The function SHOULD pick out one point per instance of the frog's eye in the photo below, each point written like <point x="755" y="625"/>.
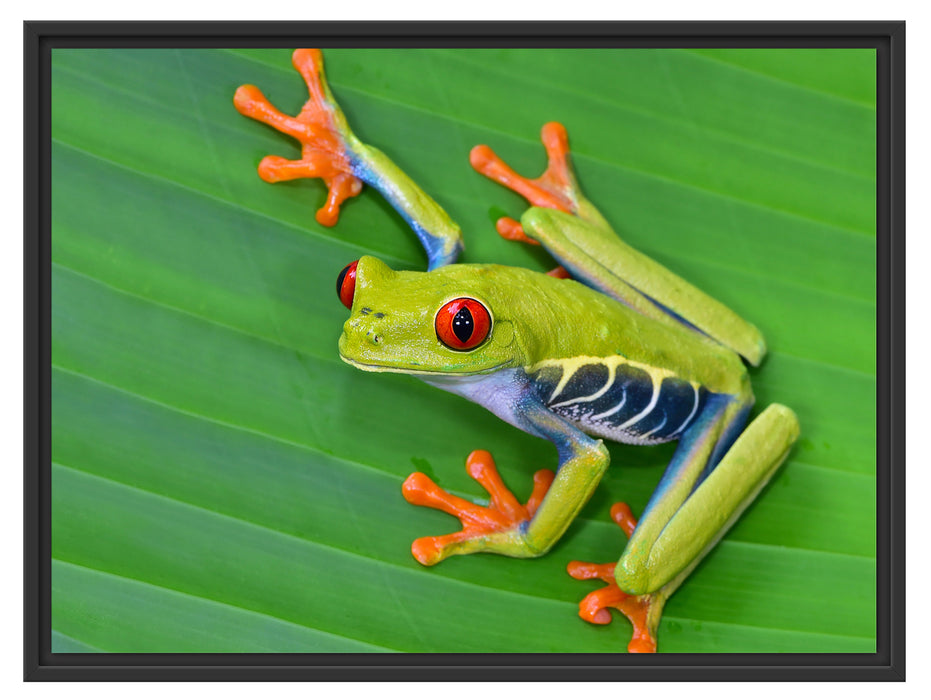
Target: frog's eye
<point x="346" y="284"/>
<point x="462" y="324"/>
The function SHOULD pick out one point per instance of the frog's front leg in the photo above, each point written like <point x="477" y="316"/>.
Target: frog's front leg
<point x="481" y="525"/>
<point x="505" y="526"/>
<point x="330" y="151"/>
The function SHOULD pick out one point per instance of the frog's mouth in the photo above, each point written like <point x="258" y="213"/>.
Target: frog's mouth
<point x="413" y="368"/>
<point x="370" y="367"/>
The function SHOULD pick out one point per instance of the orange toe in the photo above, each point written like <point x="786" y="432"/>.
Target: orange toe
<point x="503" y="513"/>
<point x="595" y="606"/>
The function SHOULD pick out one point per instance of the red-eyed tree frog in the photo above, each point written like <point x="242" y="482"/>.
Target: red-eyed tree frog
<point x="622" y="350"/>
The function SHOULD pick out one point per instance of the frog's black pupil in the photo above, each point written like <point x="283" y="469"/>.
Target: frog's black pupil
<point x="463" y="324"/>
<point x="339" y="280"/>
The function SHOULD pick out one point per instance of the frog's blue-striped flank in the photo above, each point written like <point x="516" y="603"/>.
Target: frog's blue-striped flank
<point x="625" y="351"/>
<point x="620" y="400"/>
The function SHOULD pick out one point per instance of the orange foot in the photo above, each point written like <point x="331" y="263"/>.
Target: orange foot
<point x="637" y="608"/>
<point x="554" y="189"/>
<point x="503" y="514"/>
<point x="321" y="129"/>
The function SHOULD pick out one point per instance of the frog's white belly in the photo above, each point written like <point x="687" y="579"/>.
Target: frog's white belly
<point x="614" y="398"/>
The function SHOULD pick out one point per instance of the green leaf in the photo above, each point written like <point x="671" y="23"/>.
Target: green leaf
<point x="223" y="483"/>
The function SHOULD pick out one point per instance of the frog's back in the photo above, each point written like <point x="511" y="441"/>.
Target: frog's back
<point x="623" y="376"/>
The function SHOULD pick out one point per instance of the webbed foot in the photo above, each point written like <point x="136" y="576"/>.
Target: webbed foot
<point x="556" y="188"/>
<point x="643" y="611"/>
<point x="330" y="151"/>
<point x="492" y="528"/>
<point x="321" y="129"/>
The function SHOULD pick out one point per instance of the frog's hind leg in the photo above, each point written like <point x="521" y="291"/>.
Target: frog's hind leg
<point x="713" y="429"/>
<point x="674" y="534"/>
<point x="713" y="477"/>
<point x="563" y="221"/>
<point x="643" y="611"/>
<point x="690" y="511"/>
<point x="574" y="232"/>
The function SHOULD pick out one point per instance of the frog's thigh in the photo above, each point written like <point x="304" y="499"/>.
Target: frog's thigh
<point x="597" y="257"/>
<point x="714" y="506"/>
<point x="594" y="256"/>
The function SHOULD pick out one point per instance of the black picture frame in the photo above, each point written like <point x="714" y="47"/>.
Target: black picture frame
<point x="887" y="38"/>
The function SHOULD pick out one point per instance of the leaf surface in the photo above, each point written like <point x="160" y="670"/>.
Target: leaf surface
<point x="223" y="483"/>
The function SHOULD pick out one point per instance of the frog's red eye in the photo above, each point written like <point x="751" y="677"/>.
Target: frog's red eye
<point x="346" y="284"/>
<point x="462" y="324"/>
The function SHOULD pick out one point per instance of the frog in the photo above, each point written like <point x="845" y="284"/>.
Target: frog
<point x="609" y="345"/>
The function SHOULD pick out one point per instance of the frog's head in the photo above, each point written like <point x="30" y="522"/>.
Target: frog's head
<point x="439" y="322"/>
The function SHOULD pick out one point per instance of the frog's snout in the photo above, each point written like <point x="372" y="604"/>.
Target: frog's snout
<point x="363" y="342"/>
<point x="366" y="327"/>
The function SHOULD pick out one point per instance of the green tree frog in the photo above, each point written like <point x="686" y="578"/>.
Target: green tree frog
<point x="610" y="345"/>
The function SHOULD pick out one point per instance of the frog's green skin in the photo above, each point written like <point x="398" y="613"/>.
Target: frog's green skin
<point x="630" y="352"/>
<point x="565" y="362"/>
